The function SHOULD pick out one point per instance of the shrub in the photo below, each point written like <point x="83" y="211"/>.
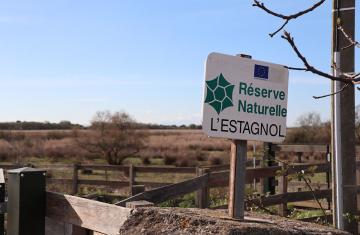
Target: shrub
<point x="28" y="143"/>
<point x="215" y="160"/>
<point x="168" y="158"/>
<point x="145" y="160"/>
<point x="56" y="135"/>
<point x="201" y="156"/>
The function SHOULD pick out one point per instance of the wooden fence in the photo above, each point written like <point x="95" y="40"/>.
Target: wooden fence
<point x="84" y="213"/>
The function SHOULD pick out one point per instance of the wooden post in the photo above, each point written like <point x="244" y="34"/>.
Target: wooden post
<point x="237" y="179"/>
<point x="299" y="161"/>
<point x="204" y="193"/>
<point x="75" y="179"/>
<point x="268" y="154"/>
<point x="282" y="186"/>
<point x="262" y="179"/>
<point x="131" y="178"/>
<point x="197" y="192"/>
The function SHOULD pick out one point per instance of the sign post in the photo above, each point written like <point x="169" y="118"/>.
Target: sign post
<point x="243" y="100"/>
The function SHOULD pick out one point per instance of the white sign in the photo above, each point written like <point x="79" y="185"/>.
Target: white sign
<point x="244" y="99"/>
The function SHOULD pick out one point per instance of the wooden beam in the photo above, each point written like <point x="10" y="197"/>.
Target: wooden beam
<point x="172" y="191"/>
<point x="310" y="204"/>
<point x="299" y="148"/>
<point x="93" y="215"/>
<point x="301" y="184"/>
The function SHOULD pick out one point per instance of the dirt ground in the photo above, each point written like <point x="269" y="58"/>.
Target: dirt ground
<point x="176" y="221"/>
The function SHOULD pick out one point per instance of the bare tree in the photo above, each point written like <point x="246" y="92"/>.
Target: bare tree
<point x="115" y="136"/>
<point x="310" y="119"/>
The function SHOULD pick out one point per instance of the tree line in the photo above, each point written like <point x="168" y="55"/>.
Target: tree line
<point x="67" y="125"/>
<point x="18" y="125"/>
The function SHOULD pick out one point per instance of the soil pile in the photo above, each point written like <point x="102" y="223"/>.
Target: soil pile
<point x="176" y="221"/>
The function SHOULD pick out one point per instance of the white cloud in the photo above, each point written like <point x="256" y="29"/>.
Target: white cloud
<point x="150" y="111"/>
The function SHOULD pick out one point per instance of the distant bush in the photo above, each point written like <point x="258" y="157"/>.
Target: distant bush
<point x="169" y="158"/>
<point x="145" y="160"/>
<point x="309" y="135"/>
<point x="215" y="160"/>
<point x="55" y="135"/>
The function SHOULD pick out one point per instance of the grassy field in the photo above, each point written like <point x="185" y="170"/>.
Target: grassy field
<point x="165" y="148"/>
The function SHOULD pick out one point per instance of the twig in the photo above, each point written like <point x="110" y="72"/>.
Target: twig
<point x="326" y="221"/>
<point x="295" y="68"/>
<point x="287" y="37"/>
<point x="352" y="42"/>
<point x="287" y="18"/>
<point x="318" y="97"/>
<point x="306" y="181"/>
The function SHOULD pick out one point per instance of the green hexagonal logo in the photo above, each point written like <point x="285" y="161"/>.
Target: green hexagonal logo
<point x="219" y="93"/>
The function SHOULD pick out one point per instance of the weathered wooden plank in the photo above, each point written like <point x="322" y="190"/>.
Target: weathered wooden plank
<point x="59" y="181"/>
<point x="311" y="204"/>
<point x="322" y="167"/>
<point x="151" y="184"/>
<point x="169" y="192"/>
<point x="10" y="167"/>
<point x="104" y="182"/>
<point x="54" y="167"/>
<point x="102" y="167"/>
<point x="225" y="167"/>
<point x="54" y="227"/>
<point x="299" y="148"/>
<point x="179" y="170"/>
<point x="219" y="178"/>
<point x="108" y="183"/>
<point x="93" y="215"/>
<point x="302" y="184"/>
<point x="305" y="196"/>
<point x="292" y="197"/>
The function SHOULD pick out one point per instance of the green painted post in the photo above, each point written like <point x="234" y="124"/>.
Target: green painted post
<point x="268" y="154"/>
<point x="26" y="203"/>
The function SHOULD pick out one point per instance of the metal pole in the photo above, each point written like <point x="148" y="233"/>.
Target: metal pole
<point x="337" y="144"/>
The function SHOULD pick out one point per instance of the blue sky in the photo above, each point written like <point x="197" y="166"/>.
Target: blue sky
<point x="65" y="60"/>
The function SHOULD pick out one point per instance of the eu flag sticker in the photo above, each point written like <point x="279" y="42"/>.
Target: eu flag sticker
<point x="261" y="72"/>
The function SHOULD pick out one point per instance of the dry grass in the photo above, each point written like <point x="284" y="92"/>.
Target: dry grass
<point x="174" y="147"/>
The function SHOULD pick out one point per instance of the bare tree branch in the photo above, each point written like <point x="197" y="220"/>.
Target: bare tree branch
<point x="343" y="88"/>
<point x="287" y="18"/>
<point x="352" y="42"/>
<point x="287" y="37"/>
<point x="305" y="69"/>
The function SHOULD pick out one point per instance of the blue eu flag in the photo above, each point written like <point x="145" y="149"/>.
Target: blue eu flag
<point x="261" y="71"/>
